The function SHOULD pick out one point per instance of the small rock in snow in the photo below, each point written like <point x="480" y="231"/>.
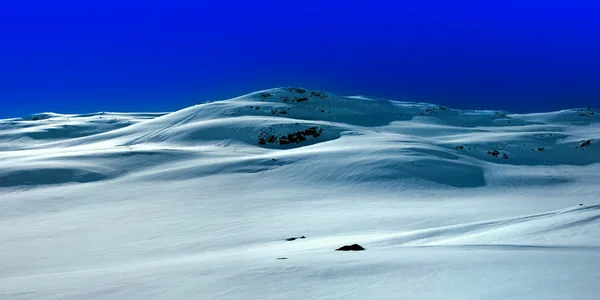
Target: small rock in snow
<point x="353" y="247"/>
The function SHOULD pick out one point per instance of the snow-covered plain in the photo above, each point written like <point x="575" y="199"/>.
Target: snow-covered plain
<point x="198" y="203"/>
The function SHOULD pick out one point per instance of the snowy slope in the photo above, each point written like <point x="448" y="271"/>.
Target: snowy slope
<point x="198" y="203"/>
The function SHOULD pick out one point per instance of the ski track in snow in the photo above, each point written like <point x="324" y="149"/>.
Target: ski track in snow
<point x="192" y="205"/>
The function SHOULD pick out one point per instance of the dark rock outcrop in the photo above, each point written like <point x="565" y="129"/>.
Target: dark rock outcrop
<point x="319" y="95"/>
<point x="291" y="138"/>
<point x="353" y="247"/>
<point x="294" y="238"/>
<point x="494" y="153"/>
<point x="297" y="90"/>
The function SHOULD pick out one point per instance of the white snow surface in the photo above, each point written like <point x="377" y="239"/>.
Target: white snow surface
<point x="195" y="205"/>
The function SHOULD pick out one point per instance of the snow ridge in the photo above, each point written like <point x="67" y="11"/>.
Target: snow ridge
<point x="200" y="203"/>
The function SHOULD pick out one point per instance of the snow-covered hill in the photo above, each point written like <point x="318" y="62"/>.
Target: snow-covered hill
<point x="198" y="203"/>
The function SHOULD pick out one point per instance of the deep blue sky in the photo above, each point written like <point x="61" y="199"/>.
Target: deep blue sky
<point x="160" y="56"/>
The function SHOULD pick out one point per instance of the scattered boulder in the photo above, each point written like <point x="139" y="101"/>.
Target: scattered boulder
<point x="540" y="149"/>
<point x="505" y="156"/>
<point x="294" y="99"/>
<point x="319" y="95"/>
<point x="494" y="153"/>
<point x="291" y="138"/>
<point x="586" y="113"/>
<point x="297" y="90"/>
<point x="294" y="238"/>
<point x="278" y="112"/>
<point x="353" y="247"/>
<point x="266" y="95"/>
<point x="584" y="144"/>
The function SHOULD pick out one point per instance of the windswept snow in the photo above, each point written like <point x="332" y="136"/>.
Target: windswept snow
<point x="198" y="203"/>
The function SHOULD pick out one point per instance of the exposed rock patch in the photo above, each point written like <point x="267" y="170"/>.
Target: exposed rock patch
<point x="287" y="99"/>
<point x="494" y="153"/>
<point x="291" y="138"/>
<point x="584" y="144"/>
<point x="586" y="113"/>
<point x="353" y="247"/>
<point x="279" y="112"/>
<point x="297" y="90"/>
<point x="319" y="95"/>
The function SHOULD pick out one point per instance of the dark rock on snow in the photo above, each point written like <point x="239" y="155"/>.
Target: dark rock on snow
<point x="354" y="247"/>
<point x="494" y="153"/>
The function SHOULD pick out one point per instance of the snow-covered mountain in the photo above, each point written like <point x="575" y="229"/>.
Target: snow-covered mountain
<point x="199" y="203"/>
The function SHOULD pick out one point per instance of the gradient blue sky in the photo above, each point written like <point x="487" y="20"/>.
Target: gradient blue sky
<point x="90" y="56"/>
